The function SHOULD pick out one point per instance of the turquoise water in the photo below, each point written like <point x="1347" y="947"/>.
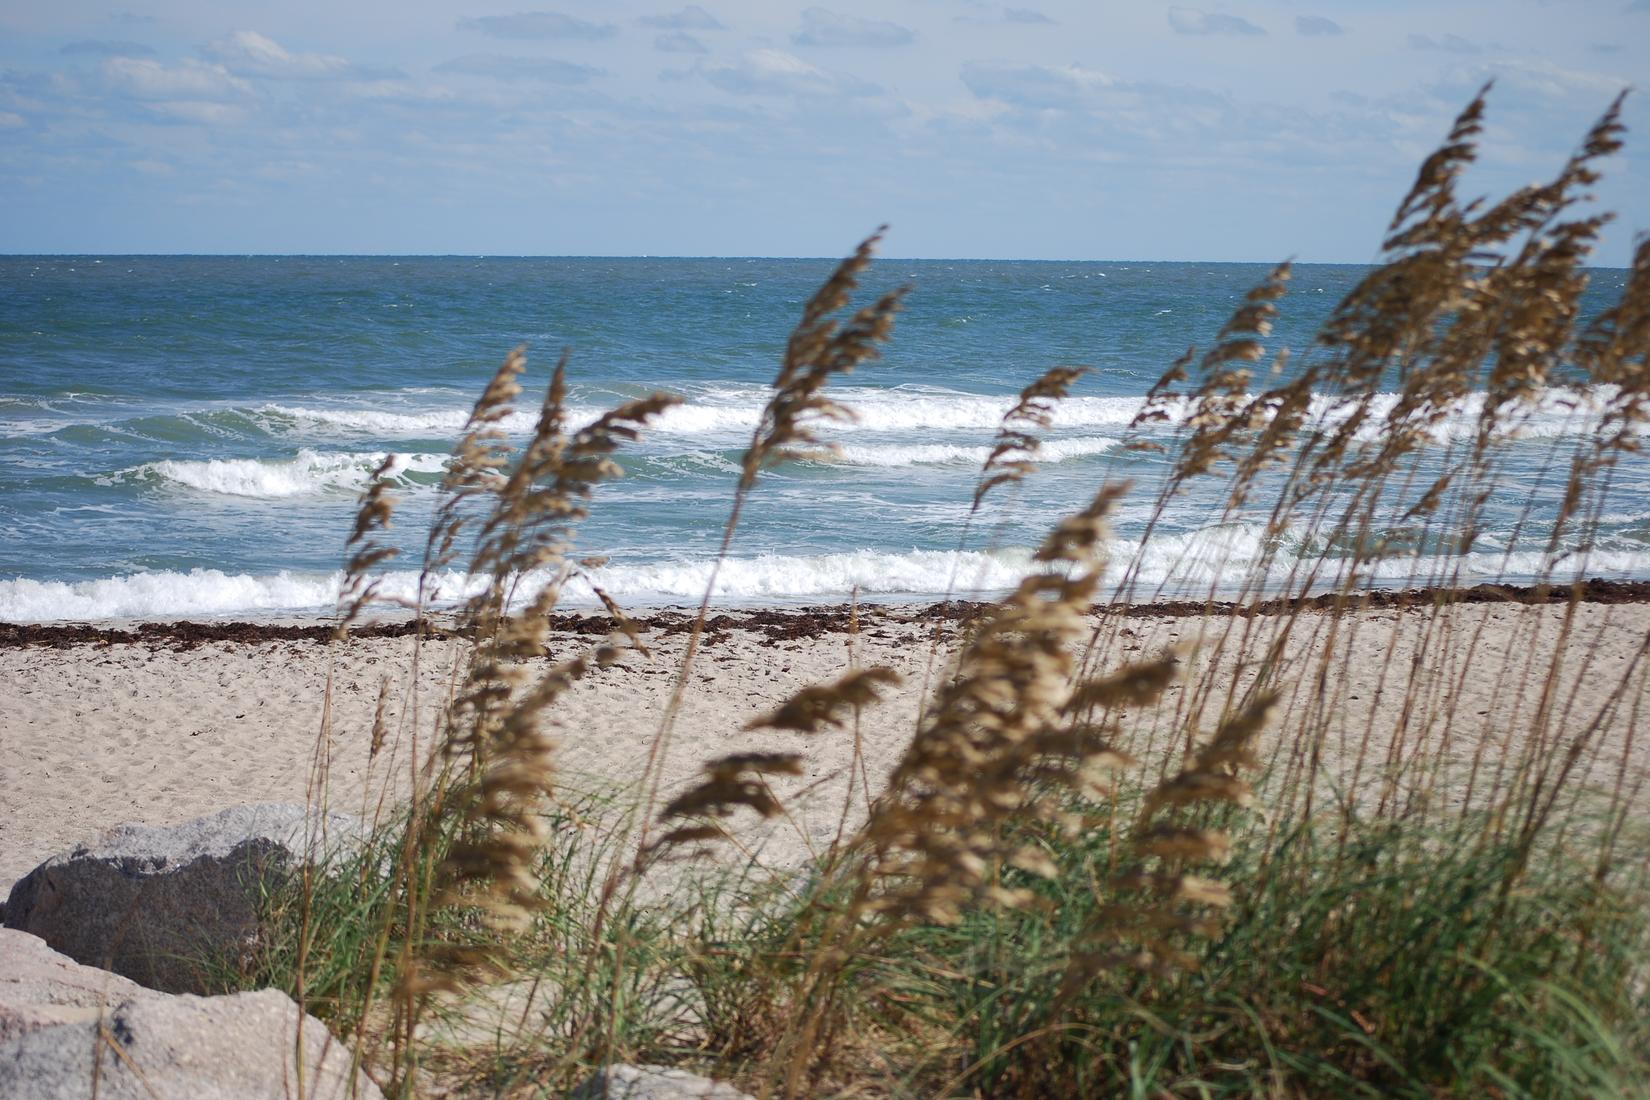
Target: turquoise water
<point x="187" y="436"/>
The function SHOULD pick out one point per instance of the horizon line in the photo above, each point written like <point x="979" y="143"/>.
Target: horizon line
<point x="100" y="256"/>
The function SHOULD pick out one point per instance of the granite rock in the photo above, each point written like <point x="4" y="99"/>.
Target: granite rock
<point x="64" y="1026"/>
<point x="165" y="905"/>
<point x="41" y="988"/>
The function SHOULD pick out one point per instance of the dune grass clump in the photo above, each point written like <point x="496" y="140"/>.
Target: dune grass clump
<point x="1100" y="866"/>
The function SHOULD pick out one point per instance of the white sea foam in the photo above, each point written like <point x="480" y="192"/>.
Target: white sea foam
<point x="305" y="473"/>
<point x="815" y="576"/>
<point x="10" y="428"/>
<point x="1188" y="564"/>
<point x="729" y="414"/>
<point x="163" y="594"/>
<point x="428" y="423"/>
<point x="946" y="454"/>
<point x="168" y="594"/>
<point x="1226" y="555"/>
<point x="1553" y="413"/>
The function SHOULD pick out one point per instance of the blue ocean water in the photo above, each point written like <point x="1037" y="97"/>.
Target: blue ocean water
<point x="187" y="435"/>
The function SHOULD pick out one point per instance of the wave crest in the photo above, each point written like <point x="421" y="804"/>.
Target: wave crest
<point x="305" y="473"/>
<point x="1188" y="564"/>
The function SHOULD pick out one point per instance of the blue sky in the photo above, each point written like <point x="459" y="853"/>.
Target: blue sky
<point x="1039" y="129"/>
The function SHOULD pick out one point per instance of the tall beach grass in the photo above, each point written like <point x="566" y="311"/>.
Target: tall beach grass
<point x="1095" y="869"/>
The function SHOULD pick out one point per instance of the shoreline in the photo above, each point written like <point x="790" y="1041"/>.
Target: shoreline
<point x="161" y="723"/>
<point x="787" y="622"/>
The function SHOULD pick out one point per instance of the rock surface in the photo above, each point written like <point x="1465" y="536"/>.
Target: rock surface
<point x="41" y="988"/>
<point x="622" y="1082"/>
<point x="64" y="1026"/>
<point x="164" y="905"/>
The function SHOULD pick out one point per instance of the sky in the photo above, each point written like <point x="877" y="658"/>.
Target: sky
<point x="1062" y="129"/>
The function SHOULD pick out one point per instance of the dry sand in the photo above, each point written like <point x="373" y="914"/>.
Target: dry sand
<point x="158" y="731"/>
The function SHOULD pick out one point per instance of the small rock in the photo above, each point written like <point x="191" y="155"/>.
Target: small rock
<point x="164" y="905"/>
<point x="68" y="1030"/>
<point x="622" y="1082"/>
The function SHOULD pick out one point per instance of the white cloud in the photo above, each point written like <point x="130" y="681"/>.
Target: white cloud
<point x="506" y="67"/>
<point x="1107" y="115"/>
<point x="1035" y="85"/>
<point x="254" y="54"/>
<point x="1020" y="16"/>
<point x="1193" y="21"/>
<point x="690" y="18"/>
<point x="1448" y="43"/>
<point x="538" y="25"/>
<point x="189" y="79"/>
<point x="1532" y="85"/>
<point x="829" y="28"/>
<point x="949" y="141"/>
<point x="398" y="90"/>
<point x="777" y="73"/>
<point x="199" y="111"/>
<point x="1317" y="25"/>
<point x="678" y="42"/>
<point x="100" y="48"/>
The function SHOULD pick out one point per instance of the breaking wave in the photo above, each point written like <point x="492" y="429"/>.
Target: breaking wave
<point x="305" y="473"/>
<point x="1553" y="413"/>
<point x="1179" y="565"/>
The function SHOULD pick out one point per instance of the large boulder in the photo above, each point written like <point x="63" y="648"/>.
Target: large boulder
<point x="71" y="1031"/>
<point x="41" y="988"/>
<point x="168" y="905"/>
<point x="625" y="1082"/>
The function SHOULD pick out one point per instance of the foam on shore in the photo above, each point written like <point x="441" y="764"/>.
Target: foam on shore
<point x="306" y="472"/>
<point x="1179" y="566"/>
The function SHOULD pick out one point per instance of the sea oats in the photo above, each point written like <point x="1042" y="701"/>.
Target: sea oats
<point x="1015" y="448"/>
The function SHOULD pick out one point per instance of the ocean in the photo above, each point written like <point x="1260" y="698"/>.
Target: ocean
<point x="187" y="436"/>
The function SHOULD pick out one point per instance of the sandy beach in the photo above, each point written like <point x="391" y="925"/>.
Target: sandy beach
<point x="167" y="727"/>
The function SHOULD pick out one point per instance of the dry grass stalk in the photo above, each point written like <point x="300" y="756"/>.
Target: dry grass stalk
<point x="1615" y="352"/>
<point x="1160" y="403"/>
<point x="380" y="720"/>
<point x="622" y="622"/>
<point x="1473" y="298"/>
<point x="496" y="802"/>
<point x="366" y="553"/>
<point x="994" y="742"/>
<point x="530" y="530"/>
<point x="740" y="779"/>
<point x="1009" y="461"/>
<point x="1220" y="414"/>
<point x="1015" y="447"/>
<point x="476" y="469"/>
<point x="820" y="348"/>
<point x="733" y="781"/>
<point x="998" y="758"/>
<point x="1161" y="900"/>
<point x="820" y="705"/>
<point x="1133" y="685"/>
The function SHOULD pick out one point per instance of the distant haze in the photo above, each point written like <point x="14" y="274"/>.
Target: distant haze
<point x="1250" y="130"/>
